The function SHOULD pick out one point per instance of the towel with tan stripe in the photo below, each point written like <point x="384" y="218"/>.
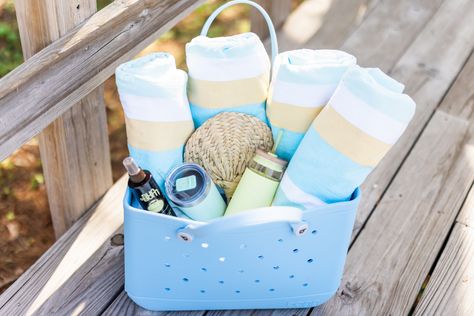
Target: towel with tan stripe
<point x="363" y="119"/>
<point x="157" y="115"/>
<point x="302" y="83"/>
<point x="227" y="74"/>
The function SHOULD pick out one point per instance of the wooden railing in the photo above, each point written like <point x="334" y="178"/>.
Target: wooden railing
<point x="56" y="93"/>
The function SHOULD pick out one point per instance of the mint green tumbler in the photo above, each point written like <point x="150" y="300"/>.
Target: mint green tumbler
<point x="258" y="184"/>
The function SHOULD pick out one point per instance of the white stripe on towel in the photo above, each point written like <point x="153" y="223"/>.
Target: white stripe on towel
<point x="304" y="95"/>
<point x="298" y="196"/>
<point x="155" y="108"/>
<point x="365" y="117"/>
<point x="216" y="69"/>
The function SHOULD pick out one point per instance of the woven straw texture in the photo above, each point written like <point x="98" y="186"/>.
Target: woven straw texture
<point x="225" y="144"/>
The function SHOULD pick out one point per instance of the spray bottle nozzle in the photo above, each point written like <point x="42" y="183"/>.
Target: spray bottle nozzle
<point x="131" y="166"/>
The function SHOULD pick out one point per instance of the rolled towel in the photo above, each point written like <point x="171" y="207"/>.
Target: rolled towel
<point x="302" y="83"/>
<point x="363" y="119"/>
<point x="157" y="115"/>
<point x="227" y="74"/>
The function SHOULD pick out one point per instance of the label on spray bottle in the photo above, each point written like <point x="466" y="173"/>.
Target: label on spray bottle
<point x="154" y="200"/>
<point x="151" y="198"/>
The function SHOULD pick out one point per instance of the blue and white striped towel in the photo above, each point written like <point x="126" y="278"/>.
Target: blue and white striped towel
<point x="227" y="74"/>
<point x="302" y="83"/>
<point x="363" y="119"/>
<point x="157" y="115"/>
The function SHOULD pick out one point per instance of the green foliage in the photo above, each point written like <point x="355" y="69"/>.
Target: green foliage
<point x="102" y="3"/>
<point x="10" y="216"/>
<point x="36" y="181"/>
<point x="10" y="48"/>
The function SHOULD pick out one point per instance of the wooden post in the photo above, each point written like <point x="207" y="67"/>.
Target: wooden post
<point x="74" y="148"/>
<point x="278" y="11"/>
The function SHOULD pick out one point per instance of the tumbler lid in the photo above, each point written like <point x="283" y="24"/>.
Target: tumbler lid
<point x="187" y="185"/>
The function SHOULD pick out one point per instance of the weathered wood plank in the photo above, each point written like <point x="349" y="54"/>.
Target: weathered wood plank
<point x="326" y="23"/>
<point x="75" y="147"/>
<point x="49" y="83"/>
<point x="381" y="39"/>
<point x="450" y="290"/>
<point x="322" y="23"/>
<point x="393" y="254"/>
<point x="340" y="21"/>
<point x="124" y="306"/>
<point x="81" y="273"/>
<point x="75" y="157"/>
<point x="277" y="10"/>
<point x="427" y="77"/>
<point x="262" y="312"/>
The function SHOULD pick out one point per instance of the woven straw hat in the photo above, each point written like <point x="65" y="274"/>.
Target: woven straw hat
<point x="225" y="144"/>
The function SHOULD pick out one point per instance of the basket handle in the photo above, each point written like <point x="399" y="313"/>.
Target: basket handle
<point x="276" y="214"/>
<point x="271" y="28"/>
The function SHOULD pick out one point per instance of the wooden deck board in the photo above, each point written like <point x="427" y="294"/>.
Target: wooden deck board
<point x="322" y="23"/>
<point x="82" y="271"/>
<point x="393" y="253"/>
<point x="124" y="306"/>
<point x="450" y="290"/>
<point x="389" y="29"/>
<point x="427" y="68"/>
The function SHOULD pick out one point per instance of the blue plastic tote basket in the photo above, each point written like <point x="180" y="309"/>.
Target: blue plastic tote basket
<point x="276" y="257"/>
<point x="256" y="259"/>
